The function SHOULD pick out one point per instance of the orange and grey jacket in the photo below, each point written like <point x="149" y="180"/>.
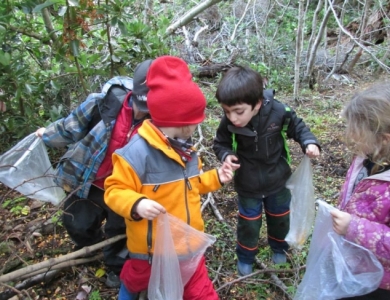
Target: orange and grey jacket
<point x="148" y="167"/>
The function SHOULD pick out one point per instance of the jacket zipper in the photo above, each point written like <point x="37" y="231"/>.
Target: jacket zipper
<point x="256" y="140"/>
<point x="187" y="184"/>
<point x="149" y="241"/>
<point x="129" y="133"/>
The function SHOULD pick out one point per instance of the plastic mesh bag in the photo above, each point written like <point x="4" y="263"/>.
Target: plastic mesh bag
<point x="177" y="251"/>
<point x="302" y="207"/>
<point x="26" y="168"/>
<point x="335" y="267"/>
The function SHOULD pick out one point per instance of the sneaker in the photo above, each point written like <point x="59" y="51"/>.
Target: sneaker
<point x="113" y="280"/>
<point x="244" y="269"/>
<point x="279" y="258"/>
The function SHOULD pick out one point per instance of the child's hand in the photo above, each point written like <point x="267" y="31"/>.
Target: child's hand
<point x="149" y="209"/>
<point x="312" y="151"/>
<point x="341" y="221"/>
<point x="233" y="161"/>
<point x="40" y="131"/>
<point x="225" y="173"/>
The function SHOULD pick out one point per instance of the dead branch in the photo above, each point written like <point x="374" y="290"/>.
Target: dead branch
<point x="27" y="283"/>
<point x="184" y="20"/>
<point x="356" y="41"/>
<point x="210" y="200"/>
<point x="67" y="264"/>
<point x="55" y="261"/>
<point x="263" y="271"/>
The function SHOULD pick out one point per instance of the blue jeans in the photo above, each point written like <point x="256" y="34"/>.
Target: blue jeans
<point x="124" y="294"/>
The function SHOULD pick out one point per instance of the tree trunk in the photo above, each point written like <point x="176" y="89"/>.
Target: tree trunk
<point x="298" y="47"/>
<point x="363" y="25"/>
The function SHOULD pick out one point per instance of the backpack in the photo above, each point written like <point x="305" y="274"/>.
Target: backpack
<point x="115" y="91"/>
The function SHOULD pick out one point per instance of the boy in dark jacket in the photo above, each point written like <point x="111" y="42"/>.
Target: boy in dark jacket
<point x="83" y="168"/>
<point x="252" y="137"/>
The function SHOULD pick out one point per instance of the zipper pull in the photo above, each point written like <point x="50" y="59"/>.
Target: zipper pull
<point x="129" y="133"/>
<point x="186" y="180"/>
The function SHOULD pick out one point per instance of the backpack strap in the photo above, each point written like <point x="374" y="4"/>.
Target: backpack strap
<point x="109" y="106"/>
<point x="286" y="123"/>
<point x="112" y="102"/>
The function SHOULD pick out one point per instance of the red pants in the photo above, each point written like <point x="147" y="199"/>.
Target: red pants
<point x="136" y="273"/>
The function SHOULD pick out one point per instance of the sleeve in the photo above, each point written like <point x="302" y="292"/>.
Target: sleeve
<point x="222" y="145"/>
<point x="72" y="128"/>
<point x="121" y="188"/>
<point x="373" y="235"/>
<point x="298" y="131"/>
<point x="209" y="182"/>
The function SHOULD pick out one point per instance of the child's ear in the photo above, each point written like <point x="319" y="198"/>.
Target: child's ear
<point x="258" y="105"/>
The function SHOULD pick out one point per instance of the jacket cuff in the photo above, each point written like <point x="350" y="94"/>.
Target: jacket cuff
<point x="133" y="214"/>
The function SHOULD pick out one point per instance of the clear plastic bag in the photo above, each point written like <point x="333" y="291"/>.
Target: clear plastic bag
<point x="26" y="168"/>
<point x="177" y="251"/>
<point x="302" y="207"/>
<point x="335" y="267"/>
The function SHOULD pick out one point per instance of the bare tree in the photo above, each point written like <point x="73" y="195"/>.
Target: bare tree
<point x="298" y="47"/>
<point x="362" y="31"/>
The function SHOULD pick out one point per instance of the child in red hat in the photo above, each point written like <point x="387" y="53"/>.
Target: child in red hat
<point x="159" y="171"/>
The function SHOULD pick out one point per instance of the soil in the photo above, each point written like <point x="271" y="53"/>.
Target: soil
<point x="31" y="231"/>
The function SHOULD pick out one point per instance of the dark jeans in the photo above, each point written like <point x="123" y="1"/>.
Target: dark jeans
<point x="83" y="219"/>
<point x="378" y="294"/>
<point x="277" y="211"/>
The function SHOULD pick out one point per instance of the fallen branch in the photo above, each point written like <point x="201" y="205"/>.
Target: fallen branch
<point x="188" y="16"/>
<point x="210" y="200"/>
<point x="70" y="263"/>
<point x="263" y="271"/>
<point x="55" y="261"/>
<point x="12" y="291"/>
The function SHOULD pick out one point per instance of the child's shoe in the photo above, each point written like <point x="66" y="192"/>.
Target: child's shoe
<point x="279" y="258"/>
<point x="244" y="269"/>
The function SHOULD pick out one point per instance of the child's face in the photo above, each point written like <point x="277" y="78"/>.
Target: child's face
<point x="241" y="114"/>
<point x="184" y="133"/>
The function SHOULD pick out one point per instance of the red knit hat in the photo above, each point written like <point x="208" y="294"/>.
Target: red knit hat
<point x="174" y="100"/>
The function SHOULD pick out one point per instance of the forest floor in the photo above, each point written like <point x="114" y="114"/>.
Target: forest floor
<point x="31" y="231"/>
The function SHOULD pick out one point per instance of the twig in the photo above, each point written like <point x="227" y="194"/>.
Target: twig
<point x="218" y="271"/>
<point x="210" y="200"/>
<point x="355" y="40"/>
<point x="239" y="21"/>
<point x="275" y="278"/>
<point x="263" y="271"/>
<point x="55" y="261"/>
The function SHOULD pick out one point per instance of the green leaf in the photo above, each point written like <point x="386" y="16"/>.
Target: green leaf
<point x="54" y="85"/>
<point x="28" y="88"/>
<point x="5" y="58"/>
<point x="48" y="3"/>
<point x="115" y="59"/>
<point x="122" y="27"/>
<point x="73" y="2"/>
<point x="74" y="45"/>
<point x="25" y="210"/>
<point x="62" y="11"/>
<point x="100" y="273"/>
